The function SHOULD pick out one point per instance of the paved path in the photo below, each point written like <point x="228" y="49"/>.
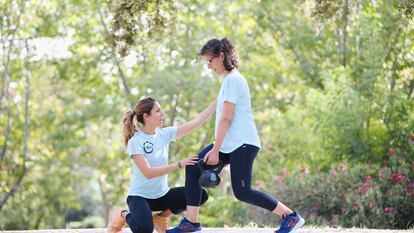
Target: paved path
<point x="230" y="230"/>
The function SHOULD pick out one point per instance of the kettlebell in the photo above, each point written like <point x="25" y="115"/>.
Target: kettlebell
<point x="210" y="174"/>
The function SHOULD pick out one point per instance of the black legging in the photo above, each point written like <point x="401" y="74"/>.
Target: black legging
<point x="139" y="218"/>
<point x="241" y="164"/>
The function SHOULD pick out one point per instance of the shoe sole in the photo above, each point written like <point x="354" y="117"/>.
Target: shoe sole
<point x="298" y="225"/>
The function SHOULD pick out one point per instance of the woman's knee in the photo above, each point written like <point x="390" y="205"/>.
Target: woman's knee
<point x="192" y="170"/>
<point x="241" y="194"/>
<point x="204" y="196"/>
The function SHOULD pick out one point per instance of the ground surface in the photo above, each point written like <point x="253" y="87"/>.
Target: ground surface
<point x="231" y="230"/>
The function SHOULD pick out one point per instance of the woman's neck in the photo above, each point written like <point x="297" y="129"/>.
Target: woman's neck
<point x="148" y="129"/>
<point x="226" y="72"/>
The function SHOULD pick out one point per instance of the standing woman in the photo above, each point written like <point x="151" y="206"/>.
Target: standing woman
<point x="237" y="143"/>
<point x="148" y="150"/>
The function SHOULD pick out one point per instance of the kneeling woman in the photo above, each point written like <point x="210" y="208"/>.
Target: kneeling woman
<point x="148" y="150"/>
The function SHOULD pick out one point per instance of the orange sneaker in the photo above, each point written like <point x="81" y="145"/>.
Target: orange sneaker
<point x="117" y="222"/>
<point x="160" y="223"/>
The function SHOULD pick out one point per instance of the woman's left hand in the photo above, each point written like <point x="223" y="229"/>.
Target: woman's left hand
<point x="212" y="157"/>
<point x="192" y="160"/>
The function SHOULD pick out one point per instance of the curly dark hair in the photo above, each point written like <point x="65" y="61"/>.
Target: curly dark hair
<point x="214" y="47"/>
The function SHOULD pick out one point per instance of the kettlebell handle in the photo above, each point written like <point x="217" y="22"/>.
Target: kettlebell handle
<point x="203" y="166"/>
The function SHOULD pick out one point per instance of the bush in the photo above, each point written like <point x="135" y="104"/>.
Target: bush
<point x="364" y="195"/>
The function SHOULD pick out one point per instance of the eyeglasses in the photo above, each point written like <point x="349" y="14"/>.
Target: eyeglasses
<point x="210" y="60"/>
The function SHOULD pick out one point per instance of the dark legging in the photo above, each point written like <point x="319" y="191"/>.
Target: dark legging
<point x="241" y="164"/>
<point x="139" y="218"/>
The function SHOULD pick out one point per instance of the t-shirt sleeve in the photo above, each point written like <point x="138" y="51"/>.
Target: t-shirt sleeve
<point x="134" y="147"/>
<point x="169" y="134"/>
<point x="232" y="90"/>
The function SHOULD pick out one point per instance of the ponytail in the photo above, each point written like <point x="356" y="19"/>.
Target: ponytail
<point x="129" y="125"/>
<point x="230" y="56"/>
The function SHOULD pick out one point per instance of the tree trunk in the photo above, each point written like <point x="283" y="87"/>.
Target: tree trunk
<point x="105" y="201"/>
<point x="113" y="54"/>
<point x="17" y="184"/>
<point x="394" y="74"/>
<point x="7" y="133"/>
<point x="411" y="88"/>
<point x="392" y="43"/>
<point x="6" y="58"/>
<point x="13" y="190"/>
<point x="344" y="32"/>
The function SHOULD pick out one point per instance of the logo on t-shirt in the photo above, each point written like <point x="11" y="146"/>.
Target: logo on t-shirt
<point x="148" y="147"/>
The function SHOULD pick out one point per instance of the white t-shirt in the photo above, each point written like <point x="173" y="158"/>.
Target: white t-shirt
<point x="242" y="129"/>
<point x="155" y="149"/>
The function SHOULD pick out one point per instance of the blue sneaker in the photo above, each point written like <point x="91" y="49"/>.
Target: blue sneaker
<point x="185" y="226"/>
<point x="290" y="223"/>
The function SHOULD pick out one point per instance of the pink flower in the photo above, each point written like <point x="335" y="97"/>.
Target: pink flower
<point x="410" y="185"/>
<point x="388" y="210"/>
<point x="343" y="210"/>
<point x="330" y="222"/>
<point x="361" y="191"/>
<point x="412" y="138"/>
<point x="305" y="170"/>
<point x="365" y="185"/>
<point x="285" y="171"/>
<point x="341" y="167"/>
<point x="334" y="173"/>
<point x="327" y="180"/>
<point x="368" y="178"/>
<point x="280" y="181"/>
<point x="397" y="176"/>
<point x="258" y="183"/>
<point x="410" y="194"/>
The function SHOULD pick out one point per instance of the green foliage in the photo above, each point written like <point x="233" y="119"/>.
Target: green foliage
<point x="136" y="21"/>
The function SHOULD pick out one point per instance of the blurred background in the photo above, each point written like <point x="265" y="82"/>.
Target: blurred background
<point x="332" y="92"/>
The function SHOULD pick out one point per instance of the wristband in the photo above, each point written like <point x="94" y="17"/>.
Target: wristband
<point x="179" y="164"/>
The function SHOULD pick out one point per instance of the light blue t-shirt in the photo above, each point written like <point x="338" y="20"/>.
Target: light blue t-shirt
<point x="155" y="149"/>
<point x="242" y="129"/>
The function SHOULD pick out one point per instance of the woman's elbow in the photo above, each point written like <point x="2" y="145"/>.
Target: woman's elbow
<point x="148" y="175"/>
<point x="226" y="119"/>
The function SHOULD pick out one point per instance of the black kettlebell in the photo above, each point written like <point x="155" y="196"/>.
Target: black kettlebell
<point x="210" y="174"/>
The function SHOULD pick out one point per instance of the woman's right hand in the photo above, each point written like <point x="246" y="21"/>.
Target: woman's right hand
<point x="192" y="160"/>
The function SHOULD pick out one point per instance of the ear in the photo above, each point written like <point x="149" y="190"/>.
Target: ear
<point x="145" y="115"/>
<point x="221" y="55"/>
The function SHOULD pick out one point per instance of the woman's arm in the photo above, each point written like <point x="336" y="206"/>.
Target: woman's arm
<point x="152" y="172"/>
<point x="189" y="126"/>
<point x="223" y="126"/>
